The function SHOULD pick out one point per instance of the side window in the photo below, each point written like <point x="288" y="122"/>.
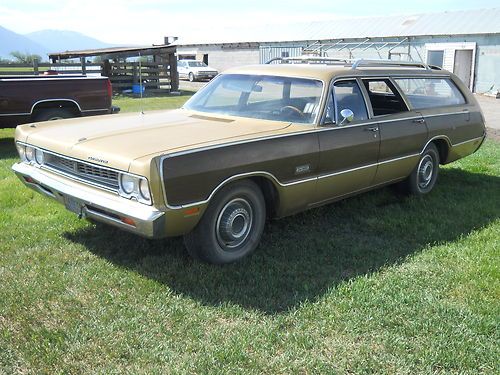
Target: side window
<point x="430" y="92"/>
<point x="384" y="97"/>
<point x="348" y="96"/>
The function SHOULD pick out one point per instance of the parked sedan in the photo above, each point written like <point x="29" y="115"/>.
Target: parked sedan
<point x="195" y="70"/>
<point x="257" y="142"/>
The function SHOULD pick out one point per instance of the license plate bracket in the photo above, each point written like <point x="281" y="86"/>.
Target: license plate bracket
<point x="73" y="205"/>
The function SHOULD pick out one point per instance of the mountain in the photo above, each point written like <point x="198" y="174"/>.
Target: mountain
<point x="64" y="40"/>
<point x="11" y="41"/>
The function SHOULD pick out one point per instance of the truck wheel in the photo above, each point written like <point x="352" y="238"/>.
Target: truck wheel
<point x="191" y="77"/>
<point x="424" y="176"/>
<point x="51" y="114"/>
<point x="231" y="226"/>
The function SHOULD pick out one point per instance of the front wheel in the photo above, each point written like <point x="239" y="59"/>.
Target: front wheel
<point x="191" y="77"/>
<point x="232" y="225"/>
<point x="424" y="176"/>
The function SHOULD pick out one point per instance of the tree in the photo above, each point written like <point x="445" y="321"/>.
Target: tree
<point x="25" y="58"/>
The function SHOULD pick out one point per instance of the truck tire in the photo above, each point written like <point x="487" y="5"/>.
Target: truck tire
<point x="231" y="226"/>
<point x="50" y="114"/>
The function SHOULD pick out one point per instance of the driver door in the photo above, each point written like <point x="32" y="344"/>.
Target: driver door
<point x="348" y="149"/>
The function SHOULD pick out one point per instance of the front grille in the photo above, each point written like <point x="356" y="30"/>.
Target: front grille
<point x="92" y="173"/>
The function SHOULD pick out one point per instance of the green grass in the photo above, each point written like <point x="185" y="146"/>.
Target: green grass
<point x="374" y="284"/>
<point x="136" y="104"/>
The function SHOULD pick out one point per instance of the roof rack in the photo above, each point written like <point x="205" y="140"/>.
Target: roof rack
<point x="415" y="64"/>
<point x="354" y="63"/>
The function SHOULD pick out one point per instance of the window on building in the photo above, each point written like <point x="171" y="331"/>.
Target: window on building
<point x="285" y="54"/>
<point x="435" y="58"/>
<point x="384" y="97"/>
<point x="430" y="92"/>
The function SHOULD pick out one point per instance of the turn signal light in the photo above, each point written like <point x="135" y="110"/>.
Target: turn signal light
<point x="128" y="221"/>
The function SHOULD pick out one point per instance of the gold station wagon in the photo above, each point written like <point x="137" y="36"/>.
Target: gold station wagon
<point x="256" y="142"/>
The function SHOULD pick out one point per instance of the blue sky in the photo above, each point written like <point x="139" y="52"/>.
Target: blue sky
<point x="147" y="21"/>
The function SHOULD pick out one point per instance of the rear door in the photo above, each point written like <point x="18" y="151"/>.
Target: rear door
<point x="348" y="150"/>
<point x="403" y="132"/>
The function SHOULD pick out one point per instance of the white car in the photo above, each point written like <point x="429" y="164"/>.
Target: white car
<point x="194" y="70"/>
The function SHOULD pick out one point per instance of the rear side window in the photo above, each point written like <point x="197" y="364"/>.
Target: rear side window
<point x="430" y="92"/>
<point x="384" y="97"/>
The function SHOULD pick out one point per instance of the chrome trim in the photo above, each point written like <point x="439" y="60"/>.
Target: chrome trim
<point x="76" y="178"/>
<point x="468" y="141"/>
<point x="149" y="221"/>
<point x="55" y="100"/>
<point x="444" y="137"/>
<point x="15" y="114"/>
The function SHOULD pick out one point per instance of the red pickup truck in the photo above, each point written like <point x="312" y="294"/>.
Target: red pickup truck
<point x="50" y="97"/>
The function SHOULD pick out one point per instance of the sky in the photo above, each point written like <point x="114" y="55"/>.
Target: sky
<point x="146" y="22"/>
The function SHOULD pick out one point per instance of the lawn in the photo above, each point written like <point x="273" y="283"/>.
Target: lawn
<point x="378" y="283"/>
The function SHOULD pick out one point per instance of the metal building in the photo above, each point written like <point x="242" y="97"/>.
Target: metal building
<point x="464" y="42"/>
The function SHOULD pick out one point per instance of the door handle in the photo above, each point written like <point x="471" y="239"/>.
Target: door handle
<point x="419" y="121"/>
<point x="372" y="129"/>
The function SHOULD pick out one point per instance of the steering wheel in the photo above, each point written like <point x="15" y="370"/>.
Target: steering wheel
<point x="292" y="110"/>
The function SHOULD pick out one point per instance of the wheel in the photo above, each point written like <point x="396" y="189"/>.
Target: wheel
<point x="231" y="226"/>
<point x="424" y="176"/>
<point x="51" y="114"/>
<point x="191" y="77"/>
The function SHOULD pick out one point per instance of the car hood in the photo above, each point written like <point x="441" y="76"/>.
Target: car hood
<point x="117" y="140"/>
<point x="202" y="69"/>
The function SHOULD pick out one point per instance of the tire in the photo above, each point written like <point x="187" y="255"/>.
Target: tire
<point x="232" y="225"/>
<point x="423" y="178"/>
<point x="51" y="114"/>
<point x="191" y="77"/>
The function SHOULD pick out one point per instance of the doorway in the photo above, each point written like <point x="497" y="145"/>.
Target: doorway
<point x="462" y="65"/>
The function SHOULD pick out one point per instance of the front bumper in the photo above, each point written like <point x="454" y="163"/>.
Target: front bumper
<point x="93" y="203"/>
<point x="199" y="75"/>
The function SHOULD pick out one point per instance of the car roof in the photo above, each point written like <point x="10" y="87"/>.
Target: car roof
<point x="325" y="72"/>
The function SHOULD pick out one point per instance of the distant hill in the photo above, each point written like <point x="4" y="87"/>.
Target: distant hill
<point x="45" y="41"/>
<point x="64" y="40"/>
<point x="11" y="41"/>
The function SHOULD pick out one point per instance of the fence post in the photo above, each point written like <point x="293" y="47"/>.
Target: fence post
<point x="84" y="65"/>
<point x="35" y="67"/>
<point x="174" y="77"/>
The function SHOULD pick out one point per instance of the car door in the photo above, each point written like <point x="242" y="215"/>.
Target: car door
<point x="403" y="132"/>
<point x="348" y="149"/>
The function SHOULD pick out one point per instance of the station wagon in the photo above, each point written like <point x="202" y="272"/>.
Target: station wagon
<point x="257" y="142"/>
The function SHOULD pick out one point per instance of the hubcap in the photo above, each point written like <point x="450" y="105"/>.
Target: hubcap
<point x="234" y="223"/>
<point x="425" y="171"/>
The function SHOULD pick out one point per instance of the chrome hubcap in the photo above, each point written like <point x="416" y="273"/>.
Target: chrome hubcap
<point x="234" y="223"/>
<point x="425" y="171"/>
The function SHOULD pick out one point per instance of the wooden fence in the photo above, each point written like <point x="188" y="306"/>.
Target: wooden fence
<point x="155" y="77"/>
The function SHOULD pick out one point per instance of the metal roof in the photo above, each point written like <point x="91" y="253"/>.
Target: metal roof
<point x="115" y="51"/>
<point x="466" y="22"/>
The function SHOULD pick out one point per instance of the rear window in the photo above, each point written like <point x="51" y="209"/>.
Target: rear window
<point x="430" y="92"/>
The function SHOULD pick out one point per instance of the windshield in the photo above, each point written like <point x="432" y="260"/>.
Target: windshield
<point x="196" y="64"/>
<point x="264" y="97"/>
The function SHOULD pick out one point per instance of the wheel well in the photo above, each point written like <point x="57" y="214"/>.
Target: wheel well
<point x="55" y="104"/>
<point x="270" y="193"/>
<point x="443" y="149"/>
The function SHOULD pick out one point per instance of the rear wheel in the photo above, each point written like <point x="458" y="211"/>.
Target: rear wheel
<point x="191" y="77"/>
<point x="232" y="225"/>
<point x="51" y="114"/>
<point x="424" y="176"/>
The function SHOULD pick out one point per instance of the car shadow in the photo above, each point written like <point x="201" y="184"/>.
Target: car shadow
<point x="303" y="256"/>
<point x="7" y="148"/>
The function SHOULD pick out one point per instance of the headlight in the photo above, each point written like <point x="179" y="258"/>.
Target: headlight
<point x="21" y="150"/>
<point x="144" y="189"/>
<point x="39" y="156"/>
<point x="30" y="153"/>
<point x="135" y="187"/>
<point x="128" y="183"/>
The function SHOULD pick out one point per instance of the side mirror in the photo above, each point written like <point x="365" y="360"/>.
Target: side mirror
<point x="347" y="115"/>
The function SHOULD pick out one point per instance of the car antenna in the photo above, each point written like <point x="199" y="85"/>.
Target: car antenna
<point x="140" y="82"/>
